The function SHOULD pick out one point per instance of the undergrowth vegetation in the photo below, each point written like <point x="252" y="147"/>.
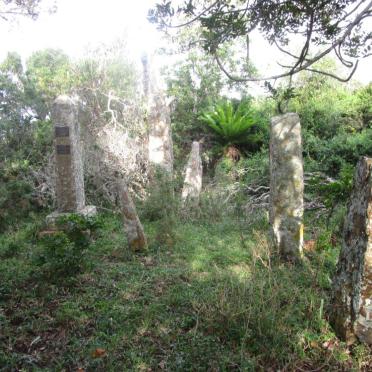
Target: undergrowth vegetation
<point x="216" y="298"/>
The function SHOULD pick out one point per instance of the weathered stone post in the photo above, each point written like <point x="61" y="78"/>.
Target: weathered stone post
<point x="286" y="185"/>
<point x="70" y="195"/>
<point x="160" y="142"/>
<point x="132" y="225"/>
<point x="351" y="312"/>
<point x="194" y="174"/>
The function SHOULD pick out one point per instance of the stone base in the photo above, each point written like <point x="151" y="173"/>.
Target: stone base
<point x="87" y="211"/>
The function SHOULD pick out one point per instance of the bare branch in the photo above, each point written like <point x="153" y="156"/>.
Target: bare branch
<point x="306" y="46"/>
<point x="286" y="51"/>
<point x="344" y="80"/>
<point x="247" y="45"/>
<point x="339" y="55"/>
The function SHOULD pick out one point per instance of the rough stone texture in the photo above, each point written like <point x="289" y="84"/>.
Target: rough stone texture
<point x="194" y="174"/>
<point x="132" y="225"/>
<point x="351" y="312"/>
<point x="286" y="185"/>
<point x="160" y="142"/>
<point x="70" y="195"/>
<point x="160" y="134"/>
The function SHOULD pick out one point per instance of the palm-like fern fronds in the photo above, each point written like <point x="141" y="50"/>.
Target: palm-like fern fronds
<point x="233" y="126"/>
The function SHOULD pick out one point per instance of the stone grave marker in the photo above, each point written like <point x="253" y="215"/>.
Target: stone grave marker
<point x="70" y="195"/>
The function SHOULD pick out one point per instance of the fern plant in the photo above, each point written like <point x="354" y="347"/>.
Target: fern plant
<point x="233" y="126"/>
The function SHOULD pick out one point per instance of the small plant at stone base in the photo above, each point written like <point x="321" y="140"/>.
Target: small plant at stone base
<point x="62" y="252"/>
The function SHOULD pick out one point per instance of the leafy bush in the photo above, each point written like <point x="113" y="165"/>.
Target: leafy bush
<point x="331" y="155"/>
<point x="63" y="252"/>
<point x="14" y="201"/>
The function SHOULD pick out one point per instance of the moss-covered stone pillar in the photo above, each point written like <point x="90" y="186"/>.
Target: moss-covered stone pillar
<point x="351" y="311"/>
<point x="286" y="186"/>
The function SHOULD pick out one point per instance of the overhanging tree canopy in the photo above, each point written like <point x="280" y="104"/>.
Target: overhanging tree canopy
<point x="13" y="8"/>
<point x="326" y="26"/>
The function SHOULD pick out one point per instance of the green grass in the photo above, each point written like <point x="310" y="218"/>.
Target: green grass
<point x="216" y="300"/>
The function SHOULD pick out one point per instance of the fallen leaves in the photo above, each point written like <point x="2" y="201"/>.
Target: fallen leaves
<point x="99" y="353"/>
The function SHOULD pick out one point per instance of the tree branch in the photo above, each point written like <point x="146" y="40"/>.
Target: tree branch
<point x="344" y="80"/>
<point x="193" y="19"/>
<point x="309" y="62"/>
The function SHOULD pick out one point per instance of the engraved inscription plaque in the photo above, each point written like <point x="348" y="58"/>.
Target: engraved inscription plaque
<point x="62" y="131"/>
<point x="63" y="149"/>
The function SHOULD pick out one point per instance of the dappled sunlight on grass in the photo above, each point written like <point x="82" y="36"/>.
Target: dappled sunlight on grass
<point x="213" y="301"/>
<point x="242" y="272"/>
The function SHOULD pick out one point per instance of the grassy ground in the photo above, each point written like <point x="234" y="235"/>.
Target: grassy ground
<point x="214" y="300"/>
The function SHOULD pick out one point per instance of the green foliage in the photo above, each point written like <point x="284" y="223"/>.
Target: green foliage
<point x="15" y="198"/>
<point x="232" y="125"/>
<point x="336" y="133"/>
<point x="281" y="96"/>
<point x="339" y="191"/>
<point x="209" y="303"/>
<point x="50" y="74"/>
<point x="63" y="252"/>
<point x="255" y="169"/>
<point x="161" y="206"/>
<point x="25" y="142"/>
<point x="195" y="83"/>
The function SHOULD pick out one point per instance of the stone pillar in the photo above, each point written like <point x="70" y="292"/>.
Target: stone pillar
<point x="194" y="174"/>
<point x="70" y="196"/>
<point x="286" y="185"/>
<point x="160" y="134"/>
<point x="160" y="144"/>
<point x="132" y="225"/>
<point x="351" y="311"/>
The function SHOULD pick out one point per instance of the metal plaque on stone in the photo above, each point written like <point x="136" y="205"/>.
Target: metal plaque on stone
<point x="63" y="149"/>
<point x="62" y="131"/>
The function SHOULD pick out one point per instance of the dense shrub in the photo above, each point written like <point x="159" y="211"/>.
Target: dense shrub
<point x="331" y="155"/>
<point x="62" y="253"/>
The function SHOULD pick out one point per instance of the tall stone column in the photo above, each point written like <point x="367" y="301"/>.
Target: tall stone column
<point x="70" y="195"/>
<point x="286" y="185"/>
<point x="160" y="144"/>
<point x="194" y="175"/>
<point x="351" y="312"/>
<point x="132" y="225"/>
